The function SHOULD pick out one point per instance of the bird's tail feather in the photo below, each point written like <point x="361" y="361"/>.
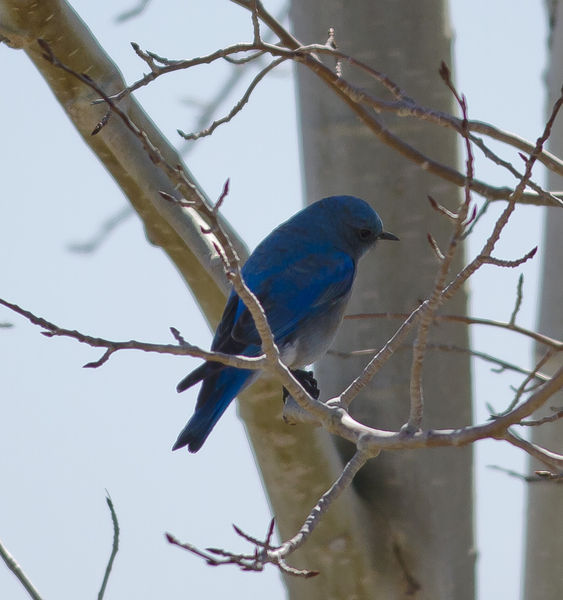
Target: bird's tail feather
<point x="216" y="394"/>
<point x="204" y="370"/>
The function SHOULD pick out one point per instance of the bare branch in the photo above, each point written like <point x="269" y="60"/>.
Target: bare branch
<point x="551" y="459"/>
<point x="518" y="302"/>
<point x="185" y="349"/>
<point x="246" y="562"/>
<point x="436" y="298"/>
<point x="558" y="414"/>
<point x="18" y="572"/>
<point x="377" y="362"/>
<point x="114" y="547"/>
<point x="434" y="245"/>
<point x="252" y="540"/>
<point x="538" y="337"/>
<point x="264" y="553"/>
<point x="509" y="263"/>
<point x="509" y="167"/>
<point x="237" y="107"/>
<point x="534" y="374"/>
<point x="255" y="23"/>
<point x="482" y="211"/>
<point x="344" y="480"/>
<point x="441" y="209"/>
<point x="501" y="222"/>
<point x="356" y="98"/>
<point x="536" y="477"/>
<point x="501" y="364"/>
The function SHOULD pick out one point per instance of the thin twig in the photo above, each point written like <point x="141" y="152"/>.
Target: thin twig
<point x="185" y="349"/>
<point x="538" y="476"/>
<point x="499" y="262"/>
<point x="538" y="337"/>
<point x="558" y="414"/>
<point x="480" y="213"/>
<point x="503" y="219"/>
<point x="551" y="459"/>
<point x="433" y="302"/>
<point x="499" y="362"/>
<point x="343" y="482"/>
<point x="237" y="107"/>
<point x="17" y="571"/>
<point x="114" y="547"/>
<point x="534" y="374"/>
<point x="518" y="302"/>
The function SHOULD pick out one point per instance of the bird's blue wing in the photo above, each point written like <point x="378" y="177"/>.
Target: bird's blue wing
<point x="294" y="292"/>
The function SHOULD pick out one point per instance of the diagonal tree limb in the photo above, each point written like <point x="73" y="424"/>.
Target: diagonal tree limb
<point x="18" y="572"/>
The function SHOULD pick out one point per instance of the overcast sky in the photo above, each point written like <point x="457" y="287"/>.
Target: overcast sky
<point x="67" y="434"/>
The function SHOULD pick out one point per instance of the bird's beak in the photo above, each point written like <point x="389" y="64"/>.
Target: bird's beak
<point x="386" y="235"/>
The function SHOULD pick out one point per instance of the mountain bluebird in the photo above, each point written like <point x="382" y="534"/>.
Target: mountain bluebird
<point x="302" y="273"/>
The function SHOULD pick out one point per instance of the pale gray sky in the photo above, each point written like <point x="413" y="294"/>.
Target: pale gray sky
<point x="67" y="434"/>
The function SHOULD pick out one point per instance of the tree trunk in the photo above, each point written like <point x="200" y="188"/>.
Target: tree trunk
<point x="544" y="535"/>
<point x="417" y="508"/>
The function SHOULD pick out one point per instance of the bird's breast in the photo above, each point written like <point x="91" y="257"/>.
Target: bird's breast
<point x="312" y="339"/>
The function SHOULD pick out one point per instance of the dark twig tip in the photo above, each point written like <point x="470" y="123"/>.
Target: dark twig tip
<point x="178" y="336"/>
<point x="98" y="363"/>
<point x="444" y="72"/>
<point x="472" y="217"/>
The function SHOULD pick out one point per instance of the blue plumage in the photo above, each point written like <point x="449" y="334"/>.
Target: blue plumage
<point x="302" y="273"/>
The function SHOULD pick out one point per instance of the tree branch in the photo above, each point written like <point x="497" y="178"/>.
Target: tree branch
<point x="17" y="571"/>
<point x="114" y="548"/>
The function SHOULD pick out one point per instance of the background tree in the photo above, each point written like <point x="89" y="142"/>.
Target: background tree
<point x="545" y="522"/>
<point x="219" y="138"/>
<point x="408" y="507"/>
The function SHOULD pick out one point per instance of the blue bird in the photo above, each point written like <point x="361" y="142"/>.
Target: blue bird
<point x="302" y="273"/>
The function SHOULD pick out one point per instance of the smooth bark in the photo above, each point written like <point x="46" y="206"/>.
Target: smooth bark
<point x="544" y="533"/>
<point x="417" y="508"/>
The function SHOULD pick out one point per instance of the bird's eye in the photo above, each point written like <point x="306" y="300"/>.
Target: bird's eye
<point x="365" y="234"/>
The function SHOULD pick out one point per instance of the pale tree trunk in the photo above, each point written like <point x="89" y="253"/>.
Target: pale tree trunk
<point x="417" y="508"/>
<point x="544" y="536"/>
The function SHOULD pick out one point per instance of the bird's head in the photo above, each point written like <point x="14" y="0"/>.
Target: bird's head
<point x="351" y="223"/>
